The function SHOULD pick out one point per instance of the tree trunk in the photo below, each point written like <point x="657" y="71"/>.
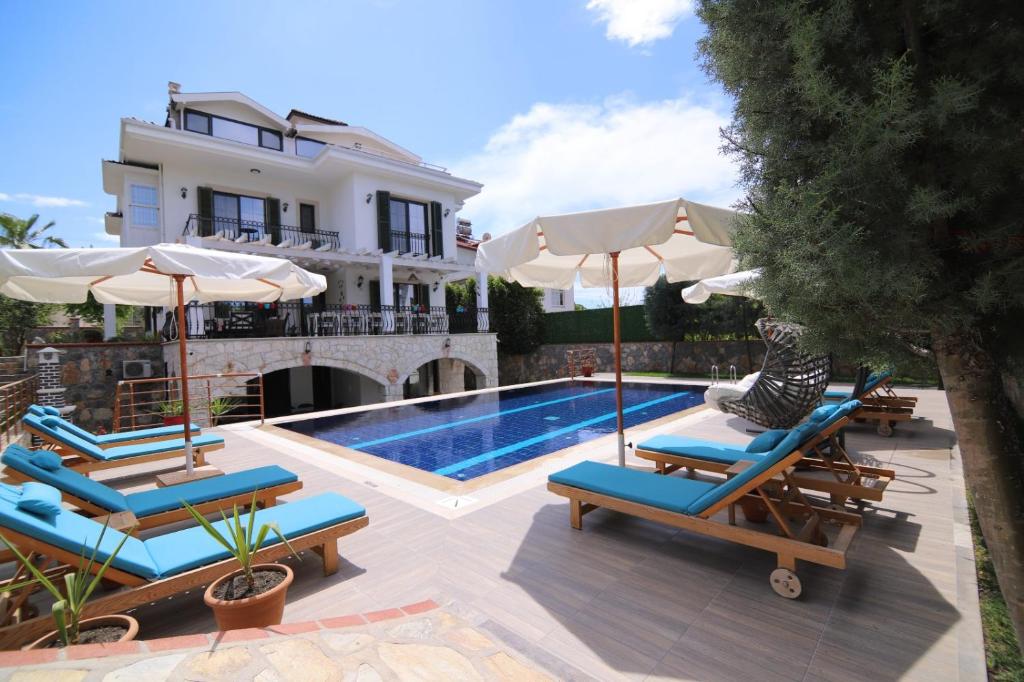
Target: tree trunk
<point x="987" y="435"/>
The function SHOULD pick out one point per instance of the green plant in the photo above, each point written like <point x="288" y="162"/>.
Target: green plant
<point x="221" y="406"/>
<point x="238" y="540"/>
<point x="21" y="233"/>
<point x="516" y="315"/>
<point x="78" y="586"/>
<point x="172" y="408"/>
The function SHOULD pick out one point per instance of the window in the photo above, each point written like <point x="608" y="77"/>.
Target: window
<point x="409" y="225"/>
<point x="145" y="206"/>
<point x="308" y="148"/>
<point x="560" y="298"/>
<point x="228" y="129"/>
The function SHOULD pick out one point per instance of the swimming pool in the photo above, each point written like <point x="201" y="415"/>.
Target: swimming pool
<point x="463" y="438"/>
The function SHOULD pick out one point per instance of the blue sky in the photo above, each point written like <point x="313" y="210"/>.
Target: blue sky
<point x="555" y="106"/>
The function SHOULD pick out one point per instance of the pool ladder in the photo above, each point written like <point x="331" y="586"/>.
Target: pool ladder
<point x="715" y="378"/>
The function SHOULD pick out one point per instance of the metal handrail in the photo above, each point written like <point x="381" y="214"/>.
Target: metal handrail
<point x="138" y="402"/>
<point x="248" y="231"/>
<point x="405" y="241"/>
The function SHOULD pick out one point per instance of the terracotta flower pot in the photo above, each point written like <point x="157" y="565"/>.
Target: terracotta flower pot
<point x="174" y="421"/>
<point x="252" y="612"/>
<point x="587" y="371"/>
<point x="128" y="622"/>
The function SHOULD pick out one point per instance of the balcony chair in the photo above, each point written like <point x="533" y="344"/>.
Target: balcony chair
<point x="693" y="504"/>
<point x="158" y="567"/>
<point x="107" y="440"/>
<point x="150" y="508"/>
<point x="827" y="467"/>
<point x="83" y="456"/>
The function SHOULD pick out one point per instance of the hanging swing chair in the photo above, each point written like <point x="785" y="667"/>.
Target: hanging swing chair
<point x="790" y="384"/>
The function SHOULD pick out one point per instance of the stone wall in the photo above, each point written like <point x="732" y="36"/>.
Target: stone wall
<point x="388" y="360"/>
<point x="90" y="371"/>
<point x="693" y="358"/>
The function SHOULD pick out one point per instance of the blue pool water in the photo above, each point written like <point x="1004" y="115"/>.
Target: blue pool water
<point x="463" y="438"/>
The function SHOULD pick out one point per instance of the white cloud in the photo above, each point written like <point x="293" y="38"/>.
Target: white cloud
<point x="557" y="158"/>
<point x="640" y="22"/>
<point x="40" y="201"/>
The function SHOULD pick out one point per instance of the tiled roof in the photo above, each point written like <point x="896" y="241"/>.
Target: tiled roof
<point x="466" y="242"/>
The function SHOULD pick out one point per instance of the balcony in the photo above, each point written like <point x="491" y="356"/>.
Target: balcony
<point x="248" y="231"/>
<point x="409" y="242"/>
<point x="294" y="318"/>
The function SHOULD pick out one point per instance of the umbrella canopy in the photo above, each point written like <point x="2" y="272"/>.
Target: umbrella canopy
<point x="168" y="275"/>
<point x="140" y="276"/>
<point x="684" y="239"/>
<point x="733" y="284"/>
<point x="627" y="246"/>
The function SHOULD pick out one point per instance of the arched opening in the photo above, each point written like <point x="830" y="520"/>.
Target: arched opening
<point x="314" y="388"/>
<point x="444" y="375"/>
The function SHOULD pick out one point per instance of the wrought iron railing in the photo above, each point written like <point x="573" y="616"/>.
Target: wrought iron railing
<point x="15" y="398"/>
<point x="233" y="229"/>
<point x="408" y="242"/>
<point x="294" y="318"/>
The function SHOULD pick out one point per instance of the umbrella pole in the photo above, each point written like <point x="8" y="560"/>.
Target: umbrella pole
<point x="617" y="337"/>
<point x="179" y="281"/>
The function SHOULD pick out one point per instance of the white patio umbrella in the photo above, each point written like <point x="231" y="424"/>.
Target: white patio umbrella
<point x="732" y="284"/>
<point x="628" y="246"/>
<point x="168" y="275"/>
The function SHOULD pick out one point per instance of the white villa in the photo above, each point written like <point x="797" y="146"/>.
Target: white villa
<point x="224" y="172"/>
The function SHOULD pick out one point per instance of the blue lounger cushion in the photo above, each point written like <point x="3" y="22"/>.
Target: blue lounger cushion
<point x="50" y="426"/>
<point x="664" y="492"/>
<point x="706" y="450"/>
<point x="764" y="442"/>
<point x="192" y="547"/>
<point x="40" y="499"/>
<point x="174" y="553"/>
<point x="72" y="533"/>
<point x="147" y="502"/>
<point x="151" y="502"/>
<point x="111" y="438"/>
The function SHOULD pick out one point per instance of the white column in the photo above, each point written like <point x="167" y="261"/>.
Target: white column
<point x="483" y="319"/>
<point x="387" y="289"/>
<point x="109" y="320"/>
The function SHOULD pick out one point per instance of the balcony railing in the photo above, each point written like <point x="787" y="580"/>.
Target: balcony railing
<point x="408" y="242"/>
<point x="233" y="229"/>
<point x="294" y="318"/>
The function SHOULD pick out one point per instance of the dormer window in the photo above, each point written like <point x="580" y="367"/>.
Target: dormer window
<point x="308" y="148"/>
<point x="229" y="129"/>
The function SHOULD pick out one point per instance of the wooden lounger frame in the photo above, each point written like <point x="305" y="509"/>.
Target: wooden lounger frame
<point x="265" y="497"/>
<point x="777" y="490"/>
<point x="881" y="404"/>
<point x="827" y="468"/>
<point x="83" y="463"/>
<point x="141" y="591"/>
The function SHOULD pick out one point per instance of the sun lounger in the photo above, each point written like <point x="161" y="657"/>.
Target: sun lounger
<point x="150" y="508"/>
<point x="827" y="467"/>
<point x="165" y="565"/>
<point x="107" y="440"/>
<point x="83" y="456"/>
<point x="692" y="505"/>
<point x="881" y="404"/>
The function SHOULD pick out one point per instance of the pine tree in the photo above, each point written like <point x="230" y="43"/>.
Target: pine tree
<point x="882" y="154"/>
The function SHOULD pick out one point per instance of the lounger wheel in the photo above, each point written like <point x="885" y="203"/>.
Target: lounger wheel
<point x="785" y="583"/>
<point x="885" y="428"/>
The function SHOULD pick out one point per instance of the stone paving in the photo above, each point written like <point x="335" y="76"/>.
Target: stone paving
<point x="416" y="642"/>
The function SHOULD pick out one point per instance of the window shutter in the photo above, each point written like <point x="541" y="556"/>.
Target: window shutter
<point x="272" y="207"/>
<point x="205" y="199"/>
<point x="384" y="220"/>
<point x="436" y="230"/>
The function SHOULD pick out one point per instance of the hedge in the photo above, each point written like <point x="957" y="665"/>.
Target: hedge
<point x="595" y="326"/>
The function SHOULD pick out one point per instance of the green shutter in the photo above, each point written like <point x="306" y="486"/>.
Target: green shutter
<point x="436" y="230"/>
<point x="205" y="199"/>
<point x="272" y="207"/>
<point x="384" y="220"/>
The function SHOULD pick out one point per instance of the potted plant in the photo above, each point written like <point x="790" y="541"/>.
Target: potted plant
<point x="254" y="595"/>
<point x="221" y="406"/>
<point x="71" y="600"/>
<point x="172" y="412"/>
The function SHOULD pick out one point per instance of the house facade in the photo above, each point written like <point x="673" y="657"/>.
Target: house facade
<point x="223" y="172"/>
